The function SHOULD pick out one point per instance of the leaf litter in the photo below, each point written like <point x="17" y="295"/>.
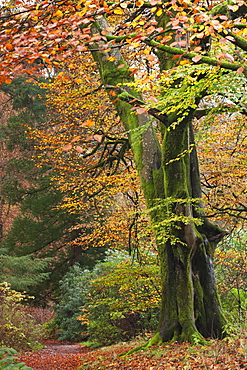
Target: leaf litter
<point x="217" y="355"/>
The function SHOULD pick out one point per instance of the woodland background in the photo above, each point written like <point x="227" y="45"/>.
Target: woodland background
<point x="78" y="255"/>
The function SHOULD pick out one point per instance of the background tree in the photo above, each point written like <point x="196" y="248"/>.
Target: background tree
<point x="166" y="162"/>
<point x="39" y="231"/>
<point x="94" y="167"/>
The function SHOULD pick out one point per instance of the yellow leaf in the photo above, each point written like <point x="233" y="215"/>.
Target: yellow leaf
<point x="111" y="59"/>
<point x="183" y="62"/>
<point x="58" y="13"/>
<point x="118" y="11"/>
<point x="159" y="12"/>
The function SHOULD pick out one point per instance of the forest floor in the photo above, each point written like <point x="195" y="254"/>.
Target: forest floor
<point x="217" y="355"/>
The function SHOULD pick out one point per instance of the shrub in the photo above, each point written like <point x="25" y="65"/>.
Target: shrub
<point x="9" y="360"/>
<point x="18" y="329"/>
<point x="123" y="301"/>
<point x="231" y="274"/>
<point x="72" y="295"/>
<point x="116" y="301"/>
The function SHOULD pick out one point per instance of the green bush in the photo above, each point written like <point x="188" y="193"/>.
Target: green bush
<point x="18" y="329"/>
<point x="123" y="300"/>
<point x="9" y="360"/>
<point x="72" y="295"/>
<point x="116" y="301"/>
<point x="231" y="275"/>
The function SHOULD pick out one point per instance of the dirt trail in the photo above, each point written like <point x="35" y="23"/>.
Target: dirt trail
<point x="56" y="356"/>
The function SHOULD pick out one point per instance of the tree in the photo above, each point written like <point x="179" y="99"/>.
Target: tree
<point x="25" y="271"/>
<point x="89" y="153"/>
<point x="40" y="243"/>
<point x="157" y="39"/>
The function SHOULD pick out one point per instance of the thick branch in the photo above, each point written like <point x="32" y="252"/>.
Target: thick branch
<point x="190" y="55"/>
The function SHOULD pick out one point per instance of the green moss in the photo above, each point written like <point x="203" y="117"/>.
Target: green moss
<point x="156" y="339"/>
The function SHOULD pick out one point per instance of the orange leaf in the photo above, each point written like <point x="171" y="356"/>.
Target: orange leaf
<point x="5" y="79"/>
<point x="150" y="57"/>
<point x="79" y="149"/>
<point x="75" y="138"/>
<point x="112" y="93"/>
<point x="88" y="123"/>
<point x="67" y="147"/>
<point x="139" y="3"/>
<point x="177" y="56"/>
<point x="111" y="59"/>
<point x="9" y="46"/>
<point x="88" y="138"/>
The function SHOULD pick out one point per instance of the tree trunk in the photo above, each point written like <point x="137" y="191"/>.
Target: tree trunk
<point x="190" y="306"/>
<point x="169" y="176"/>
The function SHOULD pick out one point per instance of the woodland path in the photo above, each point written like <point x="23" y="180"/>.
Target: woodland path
<point x="56" y="356"/>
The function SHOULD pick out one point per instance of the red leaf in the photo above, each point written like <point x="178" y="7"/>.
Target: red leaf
<point x="197" y="58"/>
<point x="229" y="57"/>
<point x="240" y="69"/>
<point x="177" y="56"/>
<point x="140" y="110"/>
<point x="98" y="138"/>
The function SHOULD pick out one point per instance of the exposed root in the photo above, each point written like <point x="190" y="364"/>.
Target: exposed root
<point x="196" y="338"/>
<point x="156" y="339"/>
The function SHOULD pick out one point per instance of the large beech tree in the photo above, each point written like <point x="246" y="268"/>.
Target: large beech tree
<point x="162" y="63"/>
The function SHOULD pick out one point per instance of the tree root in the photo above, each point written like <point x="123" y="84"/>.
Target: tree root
<point x="196" y="339"/>
<point x="156" y="339"/>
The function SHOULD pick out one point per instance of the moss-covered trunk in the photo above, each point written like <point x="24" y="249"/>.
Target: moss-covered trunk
<point x="169" y="176"/>
<point x="190" y="306"/>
